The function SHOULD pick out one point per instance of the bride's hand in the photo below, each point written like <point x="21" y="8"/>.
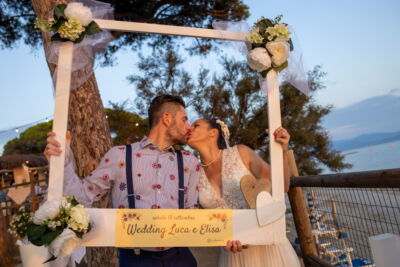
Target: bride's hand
<point x="282" y="137"/>
<point x="235" y="246"/>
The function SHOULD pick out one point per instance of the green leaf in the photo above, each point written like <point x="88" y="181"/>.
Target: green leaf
<point x="264" y="73"/>
<point x="268" y="23"/>
<point x="51" y="235"/>
<point x="92" y="28"/>
<point x="34" y="232"/>
<point x="56" y="37"/>
<point x="254" y="45"/>
<point x="58" y="24"/>
<point x="80" y="38"/>
<point x="79" y="234"/>
<point x="52" y="258"/>
<point x="291" y="44"/>
<point x="59" y="11"/>
<point x="74" y="202"/>
<point x="281" y="67"/>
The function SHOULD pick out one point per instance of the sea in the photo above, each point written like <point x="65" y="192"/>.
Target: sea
<point x="377" y="157"/>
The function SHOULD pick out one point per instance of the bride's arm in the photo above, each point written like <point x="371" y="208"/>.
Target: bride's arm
<point x="258" y="167"/>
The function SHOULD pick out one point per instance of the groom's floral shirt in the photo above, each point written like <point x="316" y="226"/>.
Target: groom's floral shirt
<point x="155" y="178"/>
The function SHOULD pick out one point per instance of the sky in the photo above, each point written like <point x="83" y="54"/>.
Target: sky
<point x="356" y="42"/>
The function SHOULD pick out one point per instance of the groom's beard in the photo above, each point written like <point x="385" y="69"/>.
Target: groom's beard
<point x="175" y="135"/>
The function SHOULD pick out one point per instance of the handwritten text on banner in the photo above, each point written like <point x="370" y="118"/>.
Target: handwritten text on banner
<point x="167" y="228"/>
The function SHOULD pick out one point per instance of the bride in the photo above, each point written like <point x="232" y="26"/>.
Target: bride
<point x="219" y="188"/>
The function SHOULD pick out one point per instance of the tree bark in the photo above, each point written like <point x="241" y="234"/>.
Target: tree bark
<point x="90" y="133"/>
<point x="5" y="253"/>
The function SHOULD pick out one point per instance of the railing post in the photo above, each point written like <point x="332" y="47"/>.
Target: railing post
<point x="300" y="214"/>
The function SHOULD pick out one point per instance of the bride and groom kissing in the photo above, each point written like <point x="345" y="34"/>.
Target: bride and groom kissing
<point x="151" y="173"/>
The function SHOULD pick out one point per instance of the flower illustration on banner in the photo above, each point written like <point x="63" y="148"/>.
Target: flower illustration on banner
<point x="58" y="224"/>
<point x="218" y="217"/>
<point x="270" y="45"/>
<point x="129" y="216"/>
<point x="70" y="22"/>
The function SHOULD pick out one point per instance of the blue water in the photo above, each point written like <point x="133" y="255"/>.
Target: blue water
<point x="378" y="157"/>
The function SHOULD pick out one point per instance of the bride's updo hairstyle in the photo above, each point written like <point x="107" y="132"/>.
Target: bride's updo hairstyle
<point x="221" y="139"/>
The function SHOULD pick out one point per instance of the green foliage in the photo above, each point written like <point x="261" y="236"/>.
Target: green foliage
<point x="59" y="12"/>
<point x="235" y="97"/>
<point x="126" y="127"/>
<point x="17" y="20"/>
<point x="35" y="233"/>
<point x="31" y="141"/>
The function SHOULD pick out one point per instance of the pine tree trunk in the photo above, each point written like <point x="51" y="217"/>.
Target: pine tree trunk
<point x="90" y="134"/>
<point x="5" y="253"/>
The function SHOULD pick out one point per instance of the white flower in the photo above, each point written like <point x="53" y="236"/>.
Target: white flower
<point x="279" y="51"/>
<point x="48" y="210"/>
<point x="53" y="224"/>
<point x="80" y="12"/>
<point x="224" y="128"/>
<point x="279" y="30"/>
<point x="254" y="36"/>
<point x="258" y="59"/>
<point x="79" y="220"/>
<point x="65" y="203"/>
<point x="65" y="243"/>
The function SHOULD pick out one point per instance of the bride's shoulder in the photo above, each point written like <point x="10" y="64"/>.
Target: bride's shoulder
<point x="243" y="149"/>
<point x="244" y="153"/>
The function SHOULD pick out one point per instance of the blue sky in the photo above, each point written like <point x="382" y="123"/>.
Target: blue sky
<point x="355" y="41"/>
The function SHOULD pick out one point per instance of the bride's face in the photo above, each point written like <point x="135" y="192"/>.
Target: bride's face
<point x="199" y="134"/>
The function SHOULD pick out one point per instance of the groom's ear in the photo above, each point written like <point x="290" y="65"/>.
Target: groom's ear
<point x="166" y="118"/>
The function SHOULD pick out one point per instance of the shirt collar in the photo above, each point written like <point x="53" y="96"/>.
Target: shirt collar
<point x="145" y="142"/>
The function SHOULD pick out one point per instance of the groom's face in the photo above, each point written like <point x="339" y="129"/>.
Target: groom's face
<point x="179" y="127"/>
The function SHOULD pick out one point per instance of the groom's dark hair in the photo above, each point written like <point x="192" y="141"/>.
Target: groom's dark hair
<point x="221" y="139"/>
<point x="163" y="103"/>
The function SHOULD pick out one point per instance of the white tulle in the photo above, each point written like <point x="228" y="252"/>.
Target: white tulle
<point x="84" y="52"/>
<point x="233" y="169"/>
<point x="295" y="73"/>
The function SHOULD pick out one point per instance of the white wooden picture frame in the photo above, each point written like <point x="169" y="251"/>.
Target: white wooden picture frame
<point x="263" y="225"/>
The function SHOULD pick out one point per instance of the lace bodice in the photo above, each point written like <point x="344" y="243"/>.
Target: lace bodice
<point x="233" y="170"/>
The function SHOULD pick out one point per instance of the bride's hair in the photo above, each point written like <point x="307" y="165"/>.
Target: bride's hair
<point x="221" y="139"/>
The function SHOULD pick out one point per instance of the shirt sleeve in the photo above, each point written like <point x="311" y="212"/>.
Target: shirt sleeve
<point x="94" y="186"/>
<point x="192" y="193"/>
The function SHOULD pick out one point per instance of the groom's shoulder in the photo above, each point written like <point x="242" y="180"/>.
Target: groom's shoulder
<point x="122" y="148"/>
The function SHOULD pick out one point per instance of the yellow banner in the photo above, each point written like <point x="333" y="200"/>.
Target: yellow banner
<point x="173" y="227"/>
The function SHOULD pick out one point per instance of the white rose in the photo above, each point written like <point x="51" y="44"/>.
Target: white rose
<point x="258" y="59"/>
<point x="65" y="243"/>
<point x="79" y="220"/>
<point x="80" y="12"/>
<point x="48" y="210"/>
<point x="280" y="52"/>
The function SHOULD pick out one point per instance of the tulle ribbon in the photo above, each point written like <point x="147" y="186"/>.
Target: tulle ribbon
<point x="85" y="51"/>
<point x="293" y="74"/>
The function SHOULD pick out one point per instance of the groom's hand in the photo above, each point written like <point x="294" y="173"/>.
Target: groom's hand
<point x="53" y="147"/>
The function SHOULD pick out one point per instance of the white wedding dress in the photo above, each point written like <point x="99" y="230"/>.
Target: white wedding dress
<point x="233" y="170"/>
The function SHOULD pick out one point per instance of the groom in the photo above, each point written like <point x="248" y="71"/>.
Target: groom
<point x="146" y="174"/>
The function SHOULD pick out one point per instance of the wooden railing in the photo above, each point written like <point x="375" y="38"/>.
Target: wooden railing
<point x="380" y="179"/>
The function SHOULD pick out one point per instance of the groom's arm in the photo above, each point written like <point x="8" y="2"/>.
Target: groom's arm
<point x="91" y="188"/>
